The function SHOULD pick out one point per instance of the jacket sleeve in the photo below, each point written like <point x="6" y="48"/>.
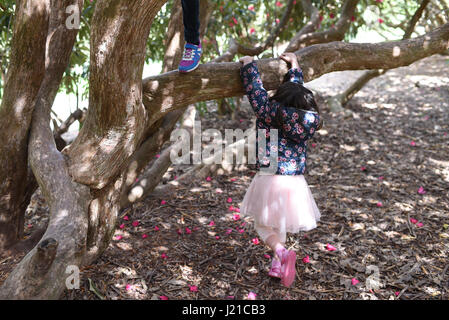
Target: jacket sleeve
<point x="257" y="95"/>
<point x="299" y="125"/>
<point x="296" y="75"/>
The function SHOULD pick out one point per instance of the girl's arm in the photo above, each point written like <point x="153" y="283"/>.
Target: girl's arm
<point x="252" y="82"/>
<point x="300" y="125"/>
<point x="295" y="72"/>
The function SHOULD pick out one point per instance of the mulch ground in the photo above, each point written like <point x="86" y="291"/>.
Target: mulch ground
<point x="380" y="177"/>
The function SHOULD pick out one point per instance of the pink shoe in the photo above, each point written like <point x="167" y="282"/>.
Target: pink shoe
<point x="275" y="270"/>
<point x="288" y="267"/>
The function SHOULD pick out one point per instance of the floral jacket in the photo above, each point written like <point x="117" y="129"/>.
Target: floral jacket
<point x="299" y="125"/>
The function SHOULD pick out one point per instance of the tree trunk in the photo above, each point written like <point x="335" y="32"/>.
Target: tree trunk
<point x="160" y="131"/>
<point x="23" y="80"/>
<point x="40" y="274"/>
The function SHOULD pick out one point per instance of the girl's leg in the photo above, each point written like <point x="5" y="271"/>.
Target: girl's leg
<point x="191" y="17"/>
<point x="274" y="242"/>
<point x="284" y="261"/>
<point x="272" y="238"/>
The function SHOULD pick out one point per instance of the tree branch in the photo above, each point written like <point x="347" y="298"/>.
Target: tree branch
<point x="336" y="103"/>
<point x="170" y="91"/>
<point x="269" y="42"/>
<point x="415" y="19"/>
<point x="235" y="47"/>
<point x="337" y="33"/>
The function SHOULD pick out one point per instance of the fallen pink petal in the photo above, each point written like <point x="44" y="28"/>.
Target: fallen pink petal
<point x="126" y="218"/>
<point x="414" y="221"/>
<point x="330" y="247"/>
<point x="122" y="226"/>
<point x="212" y="223"/>
<point x="421" y="190"/>
<point x="163" y="202"/>
<point x="208" y="179"/>
<point x="306" y="259"/>
<point x="229" y="200"/>
<point x="267" y="256"/>
<point x="118" y="238"/>
<point x="228" y="231"/>
<point x="163" y="298"/>
<point x="188" y="231"/>
<point x="354" y="281"/>
<point x="156" y="228"/>
<point x="379" y="204"/>
<point x="217" y="237"/>
<point x="164" y="256"/>
<point x="135" y="223"/>
<point x="255" y="241"/>
<point x="413" y="143"/>
<point x="252" y="296"/>
<point x="144" y="236"/>
<point x="419" y="224"/>
<point x="236" y="217"/>
<point x="193" y="288"/>
<point x="242" y="230"/>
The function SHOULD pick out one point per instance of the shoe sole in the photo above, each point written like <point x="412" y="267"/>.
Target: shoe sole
<point x="187" y="71"/>
<point x="289" y="274"/>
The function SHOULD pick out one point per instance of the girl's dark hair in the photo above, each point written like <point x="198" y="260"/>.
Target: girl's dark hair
<point x="294" y="95"/>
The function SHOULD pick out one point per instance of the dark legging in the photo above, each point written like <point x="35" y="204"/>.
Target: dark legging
<point x="191" y="17"/>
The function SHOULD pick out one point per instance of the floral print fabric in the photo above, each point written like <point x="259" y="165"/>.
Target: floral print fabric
<point x="298" y="125"/>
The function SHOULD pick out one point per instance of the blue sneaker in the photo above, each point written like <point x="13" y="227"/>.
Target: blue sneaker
<point x="191" y="57"/>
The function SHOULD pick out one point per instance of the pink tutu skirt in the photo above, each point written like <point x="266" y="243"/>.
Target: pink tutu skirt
<point x="281" y="202"/>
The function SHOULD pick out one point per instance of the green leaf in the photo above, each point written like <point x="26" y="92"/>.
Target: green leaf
<point x="94" y="289"/>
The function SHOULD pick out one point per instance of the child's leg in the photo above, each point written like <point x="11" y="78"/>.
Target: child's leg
<point x="283" y="264"/>
<point x="275" y="244"/>
<point x="192" y="49"/>
<point x="191" y="17"/>
<point x="272" y="238"/>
